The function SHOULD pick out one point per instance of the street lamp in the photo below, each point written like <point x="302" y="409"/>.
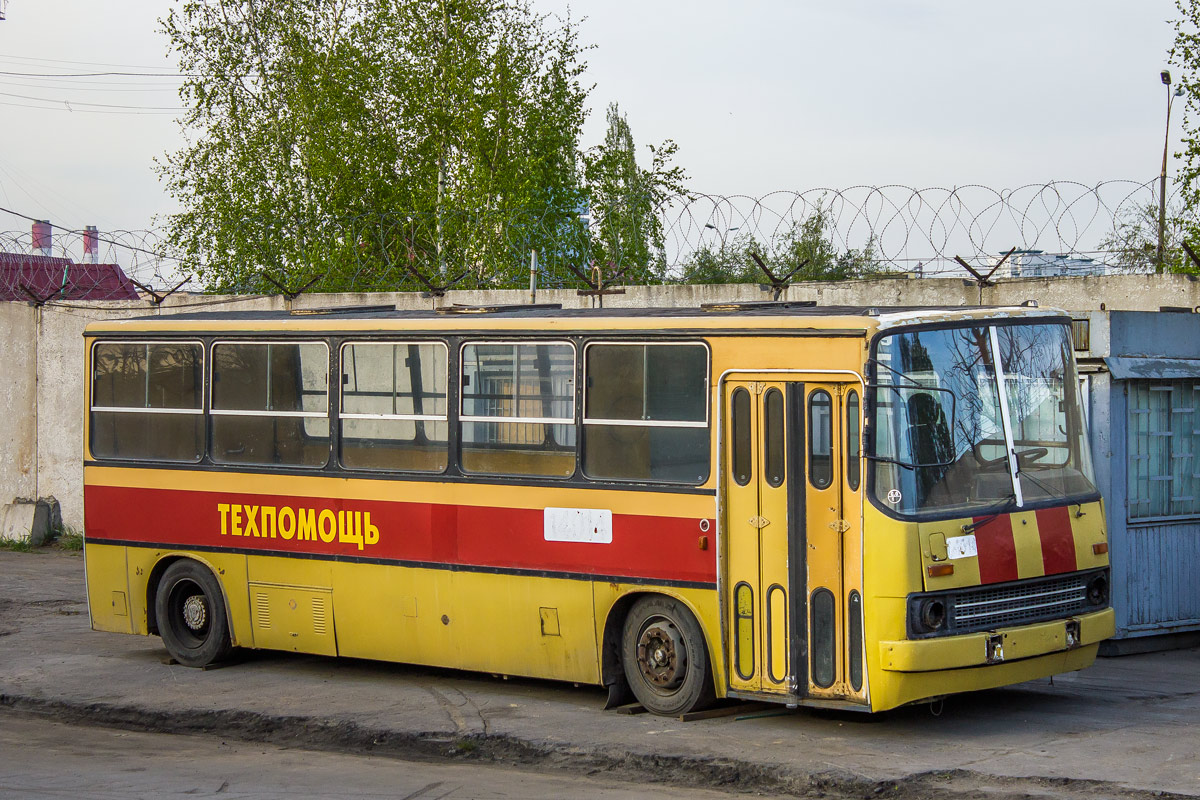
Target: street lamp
<point x="1162" y="177"/>
<point x="721" y="233"/>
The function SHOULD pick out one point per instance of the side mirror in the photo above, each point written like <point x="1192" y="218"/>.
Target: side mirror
<point x="905" y="394"/>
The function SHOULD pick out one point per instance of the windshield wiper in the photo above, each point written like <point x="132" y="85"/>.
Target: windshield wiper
<point x="1009" y="504"/>
<point x="1054" y="493"/>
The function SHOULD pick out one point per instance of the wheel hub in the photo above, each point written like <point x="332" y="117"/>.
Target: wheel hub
<point x="662" y="654"/>
<point x="195" y="612"/>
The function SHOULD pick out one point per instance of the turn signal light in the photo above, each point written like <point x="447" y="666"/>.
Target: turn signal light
<point x="1100" y="549"/>
<point x="939" y="570"/>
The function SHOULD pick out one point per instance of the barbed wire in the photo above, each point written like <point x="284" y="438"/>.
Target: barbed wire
<point x="1059" y="227"/>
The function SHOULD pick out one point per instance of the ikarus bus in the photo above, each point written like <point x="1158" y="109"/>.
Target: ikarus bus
<point x="844" y="507"/>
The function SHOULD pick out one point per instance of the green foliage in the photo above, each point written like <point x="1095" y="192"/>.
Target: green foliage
<point x="806" y="251"/>
<point x="727" y="262"/>
<point x="69" y="539"/>
<point x="1133" y="242"/>
<point x="1185" y="55"/>
<point x="625" y="198"/>
<point x="341" y="141"/>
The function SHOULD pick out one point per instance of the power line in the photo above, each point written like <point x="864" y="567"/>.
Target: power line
<point x="70" y="103"/>
<point x="99" y="88"/>
<point x="84" y="110"/>
<point x="96" y="74"/>
<point x="77" y="63"/>
<point x="86" y="86"/>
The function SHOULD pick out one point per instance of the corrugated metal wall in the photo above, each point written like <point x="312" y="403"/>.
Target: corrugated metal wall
<point x="1155" y="565"/>
<point x="1161" y="590"/>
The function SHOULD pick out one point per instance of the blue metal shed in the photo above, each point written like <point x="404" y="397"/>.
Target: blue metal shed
<point x="1143" y="374"/>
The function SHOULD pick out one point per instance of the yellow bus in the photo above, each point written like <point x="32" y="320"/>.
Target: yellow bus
<point x="843" y="507"/>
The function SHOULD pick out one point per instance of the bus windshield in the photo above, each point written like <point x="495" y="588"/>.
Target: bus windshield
<point x="947" y="442"/>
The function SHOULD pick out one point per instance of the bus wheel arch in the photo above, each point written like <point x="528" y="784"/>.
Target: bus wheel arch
<point x="612" y="674"/>
<point x="152" y="583"/>
<point x="664" y="657"/>
<point x="190" y="612"/>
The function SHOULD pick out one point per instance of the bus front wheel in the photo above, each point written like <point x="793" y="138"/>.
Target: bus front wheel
<point x="664" y="657"/>
<point x="191" y="615"/>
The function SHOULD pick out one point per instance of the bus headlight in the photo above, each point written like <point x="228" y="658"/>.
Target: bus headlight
<point x="1097" y="590"/>
<point x="933" y="613"/>
<point x="927" y="614"/>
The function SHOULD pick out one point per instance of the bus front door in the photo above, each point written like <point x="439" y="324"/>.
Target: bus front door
<point x="833" y="536"/>
<point x="793" y="545"/>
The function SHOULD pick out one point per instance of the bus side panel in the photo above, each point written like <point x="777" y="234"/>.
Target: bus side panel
<point x="508" y="624"/>
<point x="283" y="596"/>
<point x="522" y="625"/>
<point x="390" y="613"/>
<point x="108" y="588"/>
<point x="286" y="571"/>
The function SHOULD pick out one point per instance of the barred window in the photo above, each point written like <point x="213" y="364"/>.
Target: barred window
<point x="1163" y="439"/>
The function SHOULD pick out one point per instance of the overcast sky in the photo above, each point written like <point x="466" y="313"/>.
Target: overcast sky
<point x="760" y="95"/>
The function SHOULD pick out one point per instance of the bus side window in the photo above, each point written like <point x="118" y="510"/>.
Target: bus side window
<point x="147" y="401"/>
<point x="270" y="403"/>
<point x="518" y="409"/>
<point x="394" y="409"/>
<point x="645" y="413"/>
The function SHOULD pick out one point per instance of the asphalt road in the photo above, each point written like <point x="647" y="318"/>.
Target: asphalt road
<point x="41" y="758"/>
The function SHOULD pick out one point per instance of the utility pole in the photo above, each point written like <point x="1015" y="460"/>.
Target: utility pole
<point x="1160" y="256"/>
<point x="533" y="269"/>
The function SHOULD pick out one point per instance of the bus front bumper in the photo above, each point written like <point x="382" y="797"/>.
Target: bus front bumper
<point x="1001" y="646"/>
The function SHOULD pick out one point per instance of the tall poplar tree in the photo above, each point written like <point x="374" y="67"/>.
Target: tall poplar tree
<point x="626" y="200"/>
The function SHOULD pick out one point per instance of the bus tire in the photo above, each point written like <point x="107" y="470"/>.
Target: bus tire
<point x="665" y="658"/>
<point x="191" y="615"/>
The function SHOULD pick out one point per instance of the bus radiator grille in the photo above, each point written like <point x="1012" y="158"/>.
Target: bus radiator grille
<point x="1005" y="605"/>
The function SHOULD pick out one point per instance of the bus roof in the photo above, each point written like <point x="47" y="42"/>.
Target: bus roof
<point x="782" y="316"/>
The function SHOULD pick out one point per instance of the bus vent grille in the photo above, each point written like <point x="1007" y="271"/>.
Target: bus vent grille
<point x="262" y="611"/>
<point x="1018" y="603"/>
<point x="319" y="616"/>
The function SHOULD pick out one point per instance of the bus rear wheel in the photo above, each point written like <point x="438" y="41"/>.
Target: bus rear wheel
<point x="191" y="615"/>
<point x="664" y="657"/>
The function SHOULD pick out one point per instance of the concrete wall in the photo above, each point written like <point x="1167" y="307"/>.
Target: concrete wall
<point x="41" y="349"/>
<point x="18" y="402"/>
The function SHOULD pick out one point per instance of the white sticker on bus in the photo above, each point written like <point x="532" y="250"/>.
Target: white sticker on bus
<point x="592" y="525"/>
<point x="961" y="546"/>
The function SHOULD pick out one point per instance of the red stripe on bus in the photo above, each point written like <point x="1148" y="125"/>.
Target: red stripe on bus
<point x="997" y="550"/>
<point x="1058" y="543"/>
<point x="663" y="548"/>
